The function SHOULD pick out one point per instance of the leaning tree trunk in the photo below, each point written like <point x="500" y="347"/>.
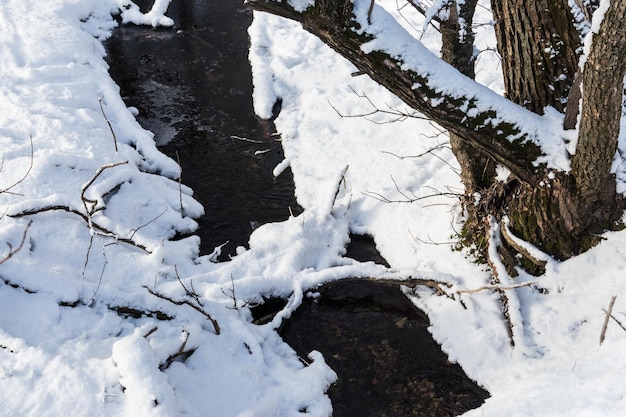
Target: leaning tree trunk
<point x="558" y="211"/>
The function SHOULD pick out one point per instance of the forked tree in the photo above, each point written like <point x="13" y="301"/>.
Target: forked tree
<point x="545" y="62"/>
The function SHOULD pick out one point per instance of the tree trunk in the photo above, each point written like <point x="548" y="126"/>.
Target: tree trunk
<point x="603" y="90"/>
<point x="538" y="43"/>
<point x="457" y="35"/>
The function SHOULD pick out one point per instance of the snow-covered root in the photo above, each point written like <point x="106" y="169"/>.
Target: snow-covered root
<point x="504" y="284"/>
<point x="155" y="17"/>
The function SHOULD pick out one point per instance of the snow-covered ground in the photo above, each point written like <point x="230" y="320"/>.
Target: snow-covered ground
<point x="91" y="221"/>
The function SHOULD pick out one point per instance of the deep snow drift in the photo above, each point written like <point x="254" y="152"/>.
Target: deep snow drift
<point x="92" y="214"/>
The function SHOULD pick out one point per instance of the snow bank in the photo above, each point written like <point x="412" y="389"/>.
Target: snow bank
<point x="90" y="230"/>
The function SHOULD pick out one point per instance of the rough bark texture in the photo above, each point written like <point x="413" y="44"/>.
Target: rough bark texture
<point x="603" y="89"/>
<point x="538" y="41"/>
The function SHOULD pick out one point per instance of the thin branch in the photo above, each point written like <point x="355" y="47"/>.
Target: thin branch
<point x="397" y="115"/>
<point x="429" y="151"/>
<point x="192" y="293"/>
<point x="87" y="255"/>
<point x="497" y="288"/>
<point x="182" y="354"/>
<point x="241" y="138"/>
<point x="407" y="198"/>
<point x="30" y="167"/>
<point x="106" y="262"/>
<point x="147" y="223"/>
<point x="101" y="230"/>
<point x="618" y="322"/>
<point x="232" y="295"/>
<point x="180" y="185"/>
<point x="606" y="318"/>
<point x="89" y="183"/>
<point x="108" y="122"/>
<point x="342" y="179"/>
<point x="216" y="326"/>
<point x="13" y="251"/>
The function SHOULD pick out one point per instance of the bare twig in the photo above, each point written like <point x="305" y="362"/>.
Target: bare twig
<point x="180" y="185"/>
<point x="30" y="167"/>
<point x="427" y="152"/>
<point x="498" y="288"/>
<point x="407" y="198"/>
<point x="101" y="230"/>
<point x="89" y="183"/>
<point x="108" y="122"/>
<point x="147" y="223"/>
<point x="619" y="323"/>
<point x="191" y="293"/>
<point x="396" y="115"/>
<point x="104" y="265"/>
<point x="232" y="295"/>
<point x="12" y="250"/>
<point x="606" y="318"/>
<point x="87" y="255"/>
<point x="245" y="139"/>
<point x="342" y="180"/>
<point x="216" y="326"/>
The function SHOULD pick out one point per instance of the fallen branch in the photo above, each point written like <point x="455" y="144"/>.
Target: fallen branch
<point x="606" y="318"/>
<point x="101" y="230"/>
<point x="498" y="288"/>
<point x="30" y="167"/>
<point x="125" y="311"/>
<point x="199" y="309"/>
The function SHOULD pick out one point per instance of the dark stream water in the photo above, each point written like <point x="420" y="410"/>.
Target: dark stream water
<point x="192" y="86"/>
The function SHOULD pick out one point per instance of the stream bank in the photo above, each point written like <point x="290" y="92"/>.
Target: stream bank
<point x="192" y="86"/>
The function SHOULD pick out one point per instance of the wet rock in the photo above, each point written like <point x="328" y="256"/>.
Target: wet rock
<point x="378" y="343"/>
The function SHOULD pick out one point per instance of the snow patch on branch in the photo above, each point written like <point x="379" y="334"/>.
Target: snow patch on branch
<point x="155" y="17"/>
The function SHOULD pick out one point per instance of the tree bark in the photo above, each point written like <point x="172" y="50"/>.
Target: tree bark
<point x="603" y="90"/>
<point x="538" y="43"/>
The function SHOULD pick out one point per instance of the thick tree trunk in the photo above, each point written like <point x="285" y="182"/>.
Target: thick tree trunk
<point x="565" y="215"/>
<point x="538" y="43"/>
<point x="603" y="90"/>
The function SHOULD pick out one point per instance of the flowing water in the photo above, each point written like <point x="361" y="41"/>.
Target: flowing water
<point x="192" y="86"/>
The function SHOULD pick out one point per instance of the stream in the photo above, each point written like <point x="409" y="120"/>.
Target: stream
<point x="192" y="85"/>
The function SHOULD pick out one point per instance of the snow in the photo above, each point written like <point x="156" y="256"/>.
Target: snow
<point x="107" y="221"/>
